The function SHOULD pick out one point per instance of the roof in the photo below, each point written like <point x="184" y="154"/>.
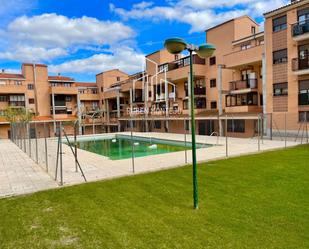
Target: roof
<point x="283" y="8"/>
<point x="11" y="76"/>
<point x="111" y="70"/>
<point x="60" y="78"/>
<point x="86" y="84"/>
<point x="231" y="20"/>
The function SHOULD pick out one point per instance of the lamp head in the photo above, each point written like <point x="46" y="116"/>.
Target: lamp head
<point x="206" y="50"/>
<point x="175" y="45"/>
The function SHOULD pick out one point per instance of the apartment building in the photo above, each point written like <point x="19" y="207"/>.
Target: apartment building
<point x="251" y="73"/>
<point x="51" y="99"/>
<point x="229" y="83"/>
<point x="287" y="46"/>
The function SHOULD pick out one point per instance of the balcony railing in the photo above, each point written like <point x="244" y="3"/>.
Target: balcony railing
<point x="197" y="91"/>
<point x="300" y="28"/>
<point x="300" y="63"/>
<point x="243" y="84"/>
<point x="183" y="62"/>
<point x="17" y="103"/>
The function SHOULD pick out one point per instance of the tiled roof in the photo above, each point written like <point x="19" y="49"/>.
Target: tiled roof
<point x="86" y="84"/>
<point x="58" y="78"/>
<point x="285" y="6"/>
<point x="11" y="76"/>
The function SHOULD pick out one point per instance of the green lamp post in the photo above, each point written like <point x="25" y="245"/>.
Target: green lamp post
<point x="176" y="46"/>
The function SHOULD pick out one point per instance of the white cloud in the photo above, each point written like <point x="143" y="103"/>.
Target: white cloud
<point x="32" y="54"/>
<point x="123" y="58"/>
<point x="199" y="14"/>
<point x="45" y="37"/>
<point x="50" y="30"/>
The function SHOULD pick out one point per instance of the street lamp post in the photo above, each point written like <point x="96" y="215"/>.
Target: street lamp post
<point x="176" y="46"/>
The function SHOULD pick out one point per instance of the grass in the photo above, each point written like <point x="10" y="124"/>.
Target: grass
<point x="256" y="201"/>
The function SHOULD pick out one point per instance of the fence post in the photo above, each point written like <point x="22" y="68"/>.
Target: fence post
<point x="61" y="166"/>
<point x="25" y="136"/>
<point x="45" y="141"/>
<point x="29" y="131"/>
<point x="226" y="139"/>
<point x="307" y="119"/>
<point x="132" y="147"/>
<point x="185" y="133"/>
<point x="259" y="133"/>
<point x="36" y="144"/>
<point x="75" y="147"/>
<point x="285" y="132"/>
<point x="271" y="126"/>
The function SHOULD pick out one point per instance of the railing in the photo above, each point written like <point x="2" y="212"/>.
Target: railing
<point x="300" y="28"/>
<point x="300" y="63"/>
<point x="197" y="91"/>
<point x="243" y="84"/>
<point x="17" y="103"/>
<point x="183" y="62"/>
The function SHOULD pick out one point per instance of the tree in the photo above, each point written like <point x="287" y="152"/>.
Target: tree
<point x="20" y="114"/>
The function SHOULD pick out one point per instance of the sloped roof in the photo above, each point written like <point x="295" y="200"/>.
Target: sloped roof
<point x="11" y="76"/>
<point x="60" y="78"/>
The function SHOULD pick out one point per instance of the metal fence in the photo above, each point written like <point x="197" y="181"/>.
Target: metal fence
<point x="46" y="143"/>
<point x="43" y="143"/>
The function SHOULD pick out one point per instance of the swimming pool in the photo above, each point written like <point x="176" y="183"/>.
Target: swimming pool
<point x="121" y="146"/>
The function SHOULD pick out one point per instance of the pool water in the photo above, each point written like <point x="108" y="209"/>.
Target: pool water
<point x="121" y="147"/>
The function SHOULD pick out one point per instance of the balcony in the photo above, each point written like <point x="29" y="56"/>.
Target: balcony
<point x="300" y="30"/>
<point x="67" y="90"/>
<point x="89" y="96"/>
<point x="243" y="86"/>
<point x="300" y="66"/>
<point x="303" y="98"/>
<point x="240" y="58"/>
<point x="13" y="88"/>
<point x="179" y="69"/>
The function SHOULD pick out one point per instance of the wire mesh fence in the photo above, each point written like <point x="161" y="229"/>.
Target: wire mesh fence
<point x="44" y="143"/>
<point x="49" y="144"/>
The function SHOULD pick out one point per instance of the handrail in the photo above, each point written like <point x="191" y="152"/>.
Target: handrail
<point x="213" y="133"/>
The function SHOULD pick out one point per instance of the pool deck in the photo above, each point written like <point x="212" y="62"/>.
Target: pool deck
<point x="17" y="169"/>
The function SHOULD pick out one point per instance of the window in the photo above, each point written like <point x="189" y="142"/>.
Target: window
<point x="280" y="89"/>
<point x="213" y="83"/>
<point x="245" y="46"/>
<point x="242" y="99"/>
<point x="200" y="103"/>
<point x="101" y="88"/>
<point x="3" y="98"/>
<point x="18" y="83"/>
<point x="280" y="56"/>
<point x="163" y="67"/>
<point x="303" y="116"/>
<point x="236" y="125"/>
<point x="157" y="124"/>
<point x="279" y="23"/>
<point x="68" y="98"/>
<point x="30" y="86"/>
<point x="253" y="30"/>
<point x="213" y="104"/>
<point x="31" y="101"/>
<point x="118" y="78"/>
<point x="212" y="60"/>
<point x="303" y="94"/>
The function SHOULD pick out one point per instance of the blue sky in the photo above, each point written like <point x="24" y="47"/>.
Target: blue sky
<point x="82" y="38"/>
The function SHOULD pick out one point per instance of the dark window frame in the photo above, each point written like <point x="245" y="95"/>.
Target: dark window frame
<point x="236" y="125"/>
<point x="280" y="56"/>
<point x="279" y="23"/>
<point x="282" y="87"/>
<point x="213" y="83"/>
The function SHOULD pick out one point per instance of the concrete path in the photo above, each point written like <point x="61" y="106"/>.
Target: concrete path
<point x="19" y="174"/>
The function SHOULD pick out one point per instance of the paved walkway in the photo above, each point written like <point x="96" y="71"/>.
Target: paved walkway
<point x="19" y="174"/>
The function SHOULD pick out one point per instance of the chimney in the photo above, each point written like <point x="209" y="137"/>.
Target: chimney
<point x="2" y="71"/>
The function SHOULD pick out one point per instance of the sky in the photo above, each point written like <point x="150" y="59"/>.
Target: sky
<point x="81" y="38"/>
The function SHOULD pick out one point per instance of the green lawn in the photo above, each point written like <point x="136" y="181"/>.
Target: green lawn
<point x="258" y="201"/>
